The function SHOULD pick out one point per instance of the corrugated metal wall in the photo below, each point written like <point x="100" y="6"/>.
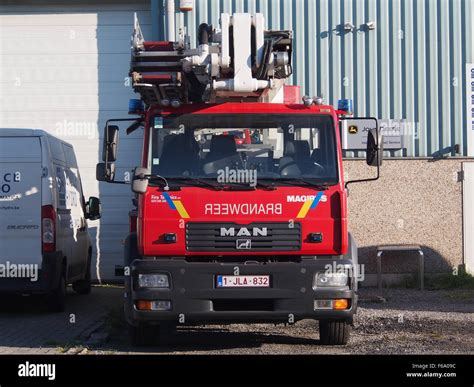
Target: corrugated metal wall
<point x="412" y="66"/>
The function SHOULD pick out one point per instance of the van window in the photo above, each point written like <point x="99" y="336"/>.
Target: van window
<point x="73" y="180"/>
<point x="70" y="156"/>
<point x="57" y="151"/>
<point x="60" y="185"/>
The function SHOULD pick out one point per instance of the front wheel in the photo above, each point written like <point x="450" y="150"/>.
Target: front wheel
<point x="143" y="335"/>
<point x="335" y="332"/>
<point x="148" y="335"/>
<point x="57" y="299"/>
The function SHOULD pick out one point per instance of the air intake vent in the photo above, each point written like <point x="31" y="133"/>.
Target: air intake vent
<point x="226" y="305"/>
<point x="222" y="237"/>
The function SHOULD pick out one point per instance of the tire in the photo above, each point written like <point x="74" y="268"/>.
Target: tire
<point x="334" y="332"/>
<point x="167" y="333"/>
<point x="144" y="335"/>
<point x="83" y="286"/>
<point x="57" y="299"/>
<point x="148" y="335"/>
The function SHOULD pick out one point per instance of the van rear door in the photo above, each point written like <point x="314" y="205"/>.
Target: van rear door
<point x="20" y="200"/>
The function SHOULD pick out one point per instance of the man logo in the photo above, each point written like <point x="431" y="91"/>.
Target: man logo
<point x="243" y="231"/>
<point x="243" y="244"/>
<point x="353" y="129"/>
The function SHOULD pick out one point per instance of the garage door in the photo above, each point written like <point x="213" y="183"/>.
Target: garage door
<point x="63" y="69"/>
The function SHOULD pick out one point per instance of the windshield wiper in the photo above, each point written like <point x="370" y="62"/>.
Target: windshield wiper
<point x="233" y="186"/>
<point x="237" y="186"/>
<point x="197" y="181"/>
<point x="241" y="186"/>
<point x="270" y="187"/>
<point x="312" y="184"/>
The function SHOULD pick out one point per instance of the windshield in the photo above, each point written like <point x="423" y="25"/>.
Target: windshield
<point x="243" y="148"/>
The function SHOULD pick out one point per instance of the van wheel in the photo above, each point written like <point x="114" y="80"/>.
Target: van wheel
<point x="144" y="335"/>
<point x="83" y="286"/>
<point x="335" y="332"/>
<point x="57" y="299"/>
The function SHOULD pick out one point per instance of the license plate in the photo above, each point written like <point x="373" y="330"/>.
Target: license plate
<point x="243" y="281"/>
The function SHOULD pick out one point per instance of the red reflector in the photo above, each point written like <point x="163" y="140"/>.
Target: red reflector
<point x="158" y="46"/>
<point x="157" y="78"/>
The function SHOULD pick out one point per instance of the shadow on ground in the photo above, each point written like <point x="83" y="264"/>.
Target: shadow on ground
<point x="209" y="339"/>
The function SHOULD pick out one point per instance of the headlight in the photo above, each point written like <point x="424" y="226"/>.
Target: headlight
<point x="153" y="280"/>
<point x="331" y="279"/>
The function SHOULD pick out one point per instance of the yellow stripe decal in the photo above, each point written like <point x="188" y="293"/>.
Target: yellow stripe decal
<point x="304" y="209"/>
<point x="182" y="211"/>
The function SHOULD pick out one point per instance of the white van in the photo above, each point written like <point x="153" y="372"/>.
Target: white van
<point x="44" y="242"/>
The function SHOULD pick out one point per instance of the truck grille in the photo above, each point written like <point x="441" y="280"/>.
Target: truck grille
<point x="243" y="238"/>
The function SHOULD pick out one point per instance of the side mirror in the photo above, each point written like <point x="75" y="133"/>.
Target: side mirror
<point x="140" y="181"/>
<point x="110" y="145"/>
<point x="374" y="148"/>
<point x="93" y="208"/>
<point x="105" y="172"/>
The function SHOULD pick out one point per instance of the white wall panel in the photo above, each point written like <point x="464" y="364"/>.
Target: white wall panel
<point x="63" y="67"/>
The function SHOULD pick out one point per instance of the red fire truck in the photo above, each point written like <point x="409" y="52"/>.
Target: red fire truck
<point x="241" y="200"/>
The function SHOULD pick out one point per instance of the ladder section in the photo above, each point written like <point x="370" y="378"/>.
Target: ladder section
<point x="240" y="61"/>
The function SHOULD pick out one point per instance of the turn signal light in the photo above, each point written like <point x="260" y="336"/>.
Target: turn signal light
<point x="143" y="305"/>
<point x="158" y="305"/>
<point x="337" y="304"/>
<point x="340" y="304"/>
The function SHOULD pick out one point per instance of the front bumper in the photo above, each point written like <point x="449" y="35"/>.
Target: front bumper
<point x="196" y="300"/>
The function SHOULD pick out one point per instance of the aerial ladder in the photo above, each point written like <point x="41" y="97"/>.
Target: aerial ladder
<point x="240" y="61"/>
